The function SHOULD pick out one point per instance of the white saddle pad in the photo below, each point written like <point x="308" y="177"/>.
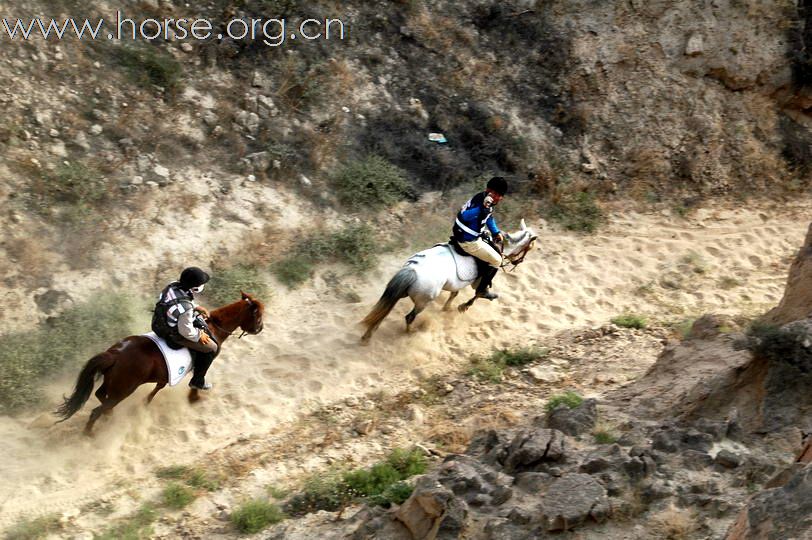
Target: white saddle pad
<point x="178" y="361"/>
<point x="466" y="265"/>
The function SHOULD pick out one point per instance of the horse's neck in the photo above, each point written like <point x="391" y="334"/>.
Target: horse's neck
<point x="226" y="320"/>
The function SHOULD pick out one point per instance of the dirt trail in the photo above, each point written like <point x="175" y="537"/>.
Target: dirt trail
<point x="722" y="260"/>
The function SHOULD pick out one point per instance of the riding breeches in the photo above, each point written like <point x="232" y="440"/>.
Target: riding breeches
<point x="482" y="251"/>
<point x="210" y="347"/>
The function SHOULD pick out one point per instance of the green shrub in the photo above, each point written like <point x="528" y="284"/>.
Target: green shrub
<point x="321" y="491"/>
<point x="382" y="484"/>
<point x="492" y="368"/>
<point x="62" y="342"/>
<point x="177" y="496"/>
<point x="136" y="527"/>
<point x="353" y="245"/>
<point x="253" y="516"/>
<point x="192" y="477"/>
<point x="74" y="183"/>
<point x="149" y="65"/>
<point x="629" y="320"/>
<point x="570" y="399"/>
<point x="396" y="493"/>
<point x="371" y="183"/>
<point x="33" y="529"/>
<point x="277" y="493"/>
<point x="227" y="283"/>
<point x="604" y="436"/>
<point x="578" y="212"/>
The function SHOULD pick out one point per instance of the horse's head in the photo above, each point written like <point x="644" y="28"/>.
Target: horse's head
<point x="518" y="244"/>
<point x="251" y="321"/>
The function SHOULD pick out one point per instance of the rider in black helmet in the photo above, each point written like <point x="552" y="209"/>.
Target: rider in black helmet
<point x="179" y="321"/>
<point x="475" y="217"/>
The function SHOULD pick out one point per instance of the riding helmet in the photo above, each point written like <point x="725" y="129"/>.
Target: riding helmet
<point x="498" y="184"/>
<point x="193" y="277"/>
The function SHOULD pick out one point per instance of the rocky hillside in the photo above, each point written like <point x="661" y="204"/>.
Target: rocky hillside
<point x="612" y="99"/>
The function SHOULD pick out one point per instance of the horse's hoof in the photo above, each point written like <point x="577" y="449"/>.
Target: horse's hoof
<point x="194" y="395"/>
<point x="88" y="433"/>
<point x="462" y="308"/>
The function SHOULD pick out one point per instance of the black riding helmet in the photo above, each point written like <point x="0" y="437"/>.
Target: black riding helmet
<point x="498" y="184"/>
<point x="193" y="277"/>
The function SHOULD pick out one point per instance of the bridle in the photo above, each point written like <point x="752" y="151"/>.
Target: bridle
<point x="516" y="261"/>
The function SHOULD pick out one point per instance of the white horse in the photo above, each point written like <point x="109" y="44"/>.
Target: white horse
<point x="429" y="272"/>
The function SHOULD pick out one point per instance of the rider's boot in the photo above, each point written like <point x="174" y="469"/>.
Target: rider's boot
<point x="201" y="362"/>
<point x="485" y="282"/>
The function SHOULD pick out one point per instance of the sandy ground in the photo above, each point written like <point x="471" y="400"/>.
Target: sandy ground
<point x="723" y="259"/>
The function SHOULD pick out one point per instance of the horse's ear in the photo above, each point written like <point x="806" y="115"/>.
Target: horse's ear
<point x="524" y="225"/>
<point x="245" y="297"/>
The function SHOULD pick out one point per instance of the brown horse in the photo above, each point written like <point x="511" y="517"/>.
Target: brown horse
<point x="136" y="360"/>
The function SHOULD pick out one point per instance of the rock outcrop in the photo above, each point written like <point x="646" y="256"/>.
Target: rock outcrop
<point x="797" y="301"/>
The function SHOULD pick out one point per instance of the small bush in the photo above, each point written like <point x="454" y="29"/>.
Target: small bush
<point x="371" y="183"/>
<point x="34" y="529"/>
<point x="570" y="399"/>
<point x="277" y="493"/>
<point x="253" y="516"/>
<point x="354" y="245"/>
<point x="177" y="496"/>
<point x="394" y="494"/>
<point x="74" y="183"/>
<point x="382" y="484"/>
<point x="149" y="65"/>
<point x="630" y="321"/>
<point x="293" y="271"/>
<point x="492" y="368"/>
<point x="579" y="213"/>
<point x="137" y="527"/>
<point x="226" y="283"/>
<point x="604" y="436"/>
<point x="192" y="477"/>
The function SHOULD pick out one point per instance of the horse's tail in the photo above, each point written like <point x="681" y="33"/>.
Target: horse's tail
<point x="396" y="289"/>
<point x="94" y="367"/>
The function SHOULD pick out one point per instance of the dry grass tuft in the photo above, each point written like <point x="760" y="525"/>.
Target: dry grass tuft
<point x="673" y="523"/>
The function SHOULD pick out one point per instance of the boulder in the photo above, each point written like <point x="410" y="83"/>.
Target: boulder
<point x="530" y="449"/>
<point x="778" y="513"/>
<point x="432" y="511"/>
<point x="476" y="483"/>
<point x="571" y="501"/>
<point x="574" y="422"/>
<point x="797" y="298"/>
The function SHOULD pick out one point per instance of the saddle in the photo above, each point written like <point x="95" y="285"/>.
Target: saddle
<point x="465" y="270"/>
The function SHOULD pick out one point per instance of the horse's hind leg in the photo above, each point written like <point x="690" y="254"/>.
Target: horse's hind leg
<point x="451" y="297"/>
<point x="94" y="415"/>
<point x="420" y="304"/>
<point x="464" y="307"/>
<point x="101" y="393"/>
<point x="113" y="398"/>
<point x="158" y="388"/>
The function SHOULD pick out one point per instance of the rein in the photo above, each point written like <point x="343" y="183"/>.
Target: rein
<point x="516" y="262"/>
<point x="223" y="330"/>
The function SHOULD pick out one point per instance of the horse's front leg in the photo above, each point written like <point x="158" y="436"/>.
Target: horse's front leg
<point x="451" y="297"/>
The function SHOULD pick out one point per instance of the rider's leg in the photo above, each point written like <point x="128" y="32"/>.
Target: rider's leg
<point x="483" y="251"/>
<point x="202" y="357"/>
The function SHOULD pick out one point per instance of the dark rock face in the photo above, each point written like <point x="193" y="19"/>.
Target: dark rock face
<point x="572" y="500"/>
<point x="524" y="450"/>
<point x="433" y="511"/>
<point x="779" y="513"/>
<point x="574" y="422"/>
<point x="673" y="439"/>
